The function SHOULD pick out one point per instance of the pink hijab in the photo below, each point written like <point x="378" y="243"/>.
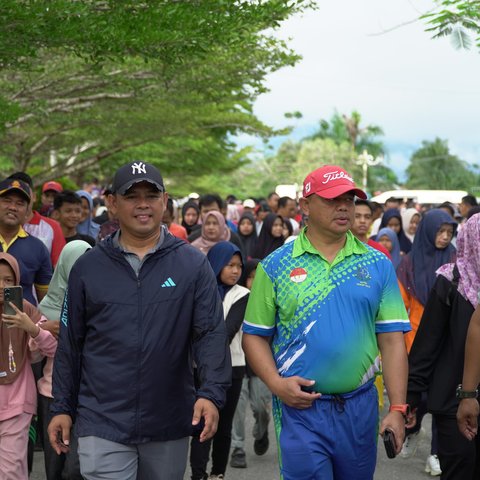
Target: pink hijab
<point x="468" y="260"/>
<point x="203" y="243"/>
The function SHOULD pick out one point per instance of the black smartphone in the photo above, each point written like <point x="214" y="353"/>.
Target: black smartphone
<point x="14" y="295"/>
<point x="389" y="442"/>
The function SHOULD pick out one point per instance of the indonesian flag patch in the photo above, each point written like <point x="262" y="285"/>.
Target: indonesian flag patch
<point x="298" y="275"/>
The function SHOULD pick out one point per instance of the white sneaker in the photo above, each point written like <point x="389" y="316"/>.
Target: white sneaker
<point x="411" y="443"/>
<point x="433" y="466"/>
<point x="215" y="477"/>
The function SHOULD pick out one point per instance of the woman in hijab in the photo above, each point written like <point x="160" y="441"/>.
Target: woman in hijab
<point x="190" y="216"/>
<point x="87" y="226"/>
<point x="389" y="239"/>
<point x="247" y="234"/>
<point x="437" y="355"/>
<point x="214" y="230"/>
<point x="416" y="274"/>
<point x="226" y="261"/>
<point x="410" y="220"/>
<point x="51" y="307"/>
<point x="431" y="249"/>
<point x="22" y="341"/>
<point x="393" y="220"/>
<point x="271" y="236"/>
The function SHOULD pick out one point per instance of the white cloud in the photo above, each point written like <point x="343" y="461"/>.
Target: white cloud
<point x="414" y="87"/>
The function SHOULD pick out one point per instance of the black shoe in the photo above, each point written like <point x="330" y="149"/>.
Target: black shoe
<point x="238" y="459"/>
<point x="261" y="446"/>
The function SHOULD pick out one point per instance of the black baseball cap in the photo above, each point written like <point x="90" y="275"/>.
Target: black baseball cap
<point x="10" y="185"/>
<point x="136" y="172"/>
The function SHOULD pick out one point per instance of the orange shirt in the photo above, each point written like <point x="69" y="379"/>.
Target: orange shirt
<point x="178" y="231"/>
<point x="415" y="311"/>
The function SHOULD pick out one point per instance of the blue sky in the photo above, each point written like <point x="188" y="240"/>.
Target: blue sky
<point x="371" y="56"/>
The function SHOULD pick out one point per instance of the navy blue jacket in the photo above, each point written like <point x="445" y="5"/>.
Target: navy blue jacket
<point x="124" y="364"/>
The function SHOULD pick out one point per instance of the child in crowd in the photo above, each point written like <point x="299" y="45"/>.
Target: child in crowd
<point x="389" y="239"/>
<point x="87" y="226"/>
<point x="226" y="262"/>
<point x="67" y="210"/>
<point x="22" y="341"/>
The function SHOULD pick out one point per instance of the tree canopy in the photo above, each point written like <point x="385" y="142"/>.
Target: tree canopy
<point x="432" y="166"/>
<point x="88" y="82"/>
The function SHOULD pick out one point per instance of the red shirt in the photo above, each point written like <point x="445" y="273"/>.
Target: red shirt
<point x="49" y="232"/>
<point x="379" y="247"/>
<point x="178" y="231"/>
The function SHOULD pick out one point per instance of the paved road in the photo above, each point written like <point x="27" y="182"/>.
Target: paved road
<point x="265" y="467"/>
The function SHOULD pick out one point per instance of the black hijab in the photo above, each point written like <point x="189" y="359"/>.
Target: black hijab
<point x="267" y="243"/>
<point x="188" y="205"/>
<point x="248" y="242"/>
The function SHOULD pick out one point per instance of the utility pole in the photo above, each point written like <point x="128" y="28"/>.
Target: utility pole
<point x="366" y="160"/>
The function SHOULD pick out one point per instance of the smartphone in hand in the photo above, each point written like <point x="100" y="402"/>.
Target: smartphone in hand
<point x="15" y="295"/>
<point x="389" y="442"/>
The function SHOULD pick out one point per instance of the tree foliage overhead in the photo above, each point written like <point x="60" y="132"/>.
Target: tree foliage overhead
<point x="171" y="30"/>
<point x="94" y="81"/>
<point x="458" y="19"/>
<point x="432" y="166"/>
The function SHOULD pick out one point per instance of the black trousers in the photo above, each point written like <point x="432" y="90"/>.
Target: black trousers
<point x="459" y="458"/>
<point x="57" y="467"/>
<point x="220" y="443"/>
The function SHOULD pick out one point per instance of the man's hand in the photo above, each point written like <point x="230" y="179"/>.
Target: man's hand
<point x="207" y="410"/>
<point x="59" y="433"/>
<point x="52" y="326"/>
<point x="395" y="422"/>
<point x="467" y="417"/>
<point x="289" y="390"/>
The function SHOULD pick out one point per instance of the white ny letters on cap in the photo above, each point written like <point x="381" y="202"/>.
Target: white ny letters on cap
<point x="138" y="168"/>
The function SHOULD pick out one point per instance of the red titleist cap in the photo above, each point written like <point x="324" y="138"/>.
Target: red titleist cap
<point x="55" y="186"/>
<point x="330" y="181"/>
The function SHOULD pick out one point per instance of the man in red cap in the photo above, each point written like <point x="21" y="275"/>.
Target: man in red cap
<point x="320" y="310"/>
<point x="49" y="191"/>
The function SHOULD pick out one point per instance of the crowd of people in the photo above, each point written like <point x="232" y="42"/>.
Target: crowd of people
<point x="149" y="326"/>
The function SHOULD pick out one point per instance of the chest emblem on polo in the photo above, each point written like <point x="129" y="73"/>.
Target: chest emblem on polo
<point x="364" y="277"/>
<point x="298" y="275"/>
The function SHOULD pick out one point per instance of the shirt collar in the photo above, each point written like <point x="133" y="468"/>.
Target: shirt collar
<point x="352" y="246"/>
<point x="116" y="241"/>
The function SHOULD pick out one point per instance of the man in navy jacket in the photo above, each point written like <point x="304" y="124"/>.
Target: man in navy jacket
<point x="140" y="308"/>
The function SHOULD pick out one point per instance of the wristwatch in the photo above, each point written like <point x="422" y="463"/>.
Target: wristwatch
<point x="403" y="408"/>
<point x="460" y="393"/>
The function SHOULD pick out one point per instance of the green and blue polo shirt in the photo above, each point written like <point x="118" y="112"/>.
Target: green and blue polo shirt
<point x="324" y="316"/>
